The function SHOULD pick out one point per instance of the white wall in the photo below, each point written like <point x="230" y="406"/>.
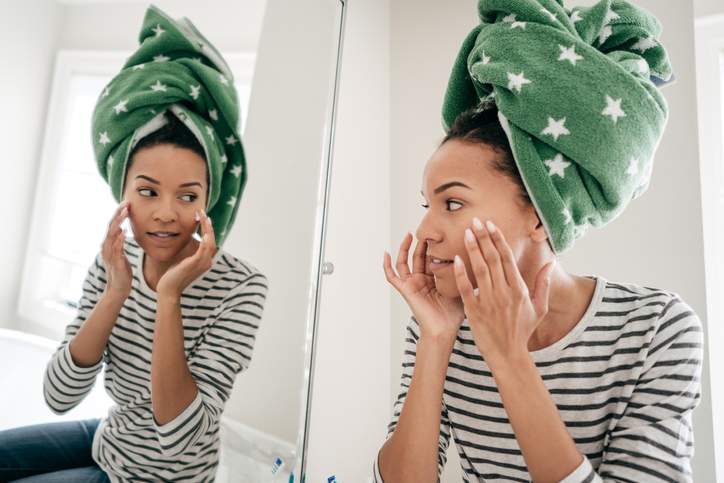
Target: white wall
<point x="656" y="242"/>
<point x="350" y="406"/>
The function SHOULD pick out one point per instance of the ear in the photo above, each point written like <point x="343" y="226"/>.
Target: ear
<point x="536" y="229"/>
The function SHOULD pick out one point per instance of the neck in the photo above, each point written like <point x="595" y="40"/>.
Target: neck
<point x="153" y="268"/>
<point x="569" y="298"/>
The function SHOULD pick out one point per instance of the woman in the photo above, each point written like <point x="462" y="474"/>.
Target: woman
<point x="539" y="374"/>
<point x="172" y="319"/>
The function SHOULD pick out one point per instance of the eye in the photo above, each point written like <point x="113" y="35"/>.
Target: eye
<point x="453" y="205"/>
<point x="145" y="189"/>
<point x="192" y="196"/>
<point x="425" y="205"/>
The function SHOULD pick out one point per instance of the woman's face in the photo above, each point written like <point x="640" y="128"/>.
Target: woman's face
<point x="459" y="184"/>
<point x="165" y="185"/>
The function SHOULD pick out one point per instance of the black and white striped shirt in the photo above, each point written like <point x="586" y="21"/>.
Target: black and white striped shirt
<point x="221" y="311"/>
<point x="625" y="380"/>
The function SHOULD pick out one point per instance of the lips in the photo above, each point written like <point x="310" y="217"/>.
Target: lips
<point x="162" y="235"/>
<point x="436" y="263"/>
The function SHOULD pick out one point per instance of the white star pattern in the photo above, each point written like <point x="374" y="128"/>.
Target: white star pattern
<point x="210" y="131"/>
<point x="516" y="81"/>
<point x="158" y="30"/>
<point x="509" y="18"/>
<point x="223" y="79"/>
<point x="104" y="139"/>
<point x="121" y="106"/>
<point x="633" y="167"/>
<point x="611" y="15"/>
<point x="557" y="165"/>
<point x="556" y="128"/>
<point x="569" y="54"/>
<point x="106" y="91"/>
<point x="161" y="58"/>
<point x="195" y="91"/>
<point x="224" y="159"/>
<point x="605" y="34"/>
<point x="567" y="215"/>
<point x="110" y="161"/>
<point x="576" y="16"/>
<point x="549" y="13"/>
<point x="213" y="114"/>
<point x="236" y="170"/>
<point x="486" y="58"/>
<point x="517" y="24"/>
<point x="231" y="140"/>
<point x="158" y="87"/>
<point x="139" y="66"/>
<point x="197" y="59"/>
<point x="643" y="65"/>
<point x="613" y="109"/>
<point x="644" y="44"/>
<point x="232" y="201"/>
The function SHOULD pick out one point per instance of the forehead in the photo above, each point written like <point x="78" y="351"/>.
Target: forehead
<point x="168" y="162"/>
<point x="470" y="163"/>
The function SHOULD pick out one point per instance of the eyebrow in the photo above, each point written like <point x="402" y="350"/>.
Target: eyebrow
<point x="191" y="183"/>
<point x="446" y="186"/>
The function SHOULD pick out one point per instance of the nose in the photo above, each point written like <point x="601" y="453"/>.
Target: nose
<point x="427" y="230"/>
<point x="164" y="210"/>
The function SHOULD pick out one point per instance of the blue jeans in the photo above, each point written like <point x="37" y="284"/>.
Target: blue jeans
<point x="50" y="453"/>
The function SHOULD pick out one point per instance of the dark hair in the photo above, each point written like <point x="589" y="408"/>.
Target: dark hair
<point x="175" y="133"/>
<point x="481" y="125"/>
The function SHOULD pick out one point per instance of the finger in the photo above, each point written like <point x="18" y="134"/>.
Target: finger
<point x="463" y="282"/>
<point x="211" y="235"/>
<point x="512" y="274"/>
<point x="419" y="258"/>
<point x="478" y="265"/>
<point x="390" y="275"/>
<point x="542" y="289"/>
<point x="491" y="255"/>
<point x="402" y="256"/>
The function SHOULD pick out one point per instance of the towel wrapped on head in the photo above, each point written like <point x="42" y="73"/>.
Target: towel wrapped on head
<point x="577" y="95"/>
<point x="175" y="71"/>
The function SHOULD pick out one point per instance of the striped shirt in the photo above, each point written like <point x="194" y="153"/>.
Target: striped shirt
<point x="221" y="311"/>
<point x="625" y="380"/>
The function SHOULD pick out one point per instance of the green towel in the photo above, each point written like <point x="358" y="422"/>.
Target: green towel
<point x="175" y="69"/>
<point x="577" y="96"/>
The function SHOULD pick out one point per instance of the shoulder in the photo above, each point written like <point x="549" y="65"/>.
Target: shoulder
<point x="662" y="314"/>
<point x="239" y="270"/>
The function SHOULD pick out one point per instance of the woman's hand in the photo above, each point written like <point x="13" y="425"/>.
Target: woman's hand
<point x="502" y="315"/>
<point x="118" y="269"/>
<point x="179" y="276"/>
<point x="438" y="316"/>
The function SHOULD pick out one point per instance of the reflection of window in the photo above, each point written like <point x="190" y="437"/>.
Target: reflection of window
<point x="73" y="204"/>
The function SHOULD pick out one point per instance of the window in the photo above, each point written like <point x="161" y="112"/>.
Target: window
<point x="66" y="231"/>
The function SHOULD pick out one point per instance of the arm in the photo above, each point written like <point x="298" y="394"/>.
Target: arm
<point x="189" y="396"/>
<point x="419" y="433"/>
<point x="72" y="370"/>
<point x="653" y="440"/>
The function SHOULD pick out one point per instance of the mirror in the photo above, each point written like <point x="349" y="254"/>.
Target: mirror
<point x="283" y="57"/>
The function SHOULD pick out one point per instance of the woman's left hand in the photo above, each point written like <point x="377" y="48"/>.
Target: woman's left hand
<point x="179" y="276"/>
<point x="502" y="315"/>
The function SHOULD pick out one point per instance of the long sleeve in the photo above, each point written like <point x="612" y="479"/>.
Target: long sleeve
<point x="65" y="384"/>
<point x="224" y="351"/>
<point x="408" y="366"/>
<point x="654" y="439"/>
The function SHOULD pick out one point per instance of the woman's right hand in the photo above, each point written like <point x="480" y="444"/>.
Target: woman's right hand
<point x="438" y="316"/>
<point x="118" y="269"/>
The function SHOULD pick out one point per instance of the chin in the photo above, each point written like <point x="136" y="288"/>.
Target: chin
<point x="447" y="288"/>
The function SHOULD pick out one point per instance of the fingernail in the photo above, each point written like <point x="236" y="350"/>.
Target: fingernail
<point x="491" y="227"/>
<point x="477" y="224"/>
<point x="469" y="235"/>
<point x="458" y="260"/>
<point x="196" y="215"/>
